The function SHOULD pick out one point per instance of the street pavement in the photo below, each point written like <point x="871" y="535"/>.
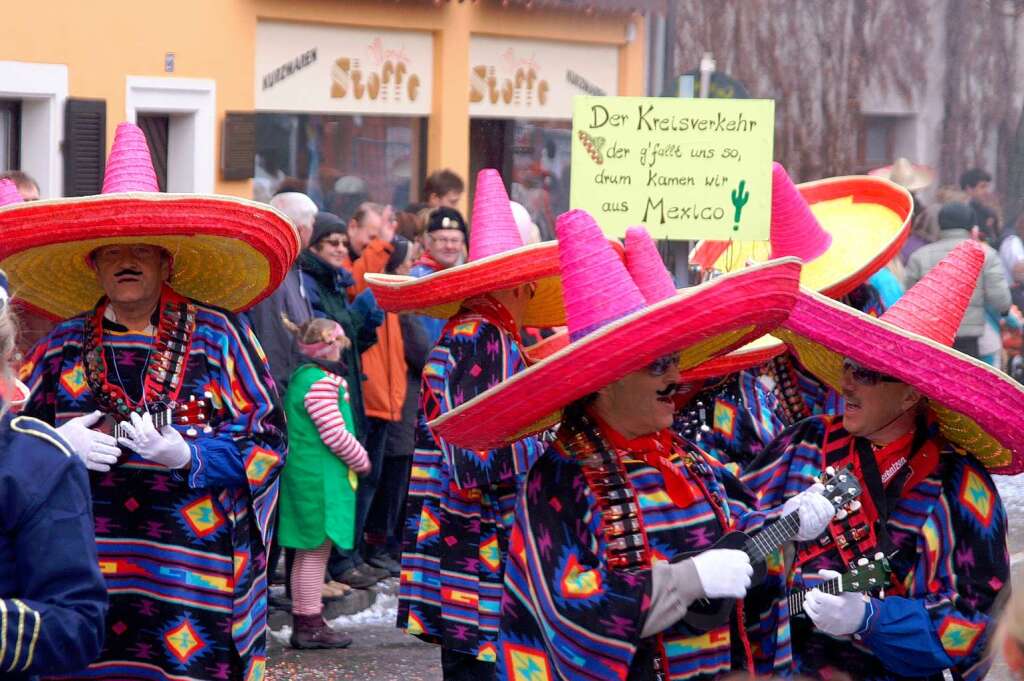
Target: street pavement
<point x="380" y="652"/>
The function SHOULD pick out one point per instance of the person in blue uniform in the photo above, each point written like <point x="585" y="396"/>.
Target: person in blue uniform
<point x="52" y="596"/>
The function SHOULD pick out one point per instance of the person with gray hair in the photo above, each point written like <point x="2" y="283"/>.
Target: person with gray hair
<point x="289" y="299"/>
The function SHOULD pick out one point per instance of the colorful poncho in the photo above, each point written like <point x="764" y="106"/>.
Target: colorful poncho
<point x="948" y="535"/>
<point x="183" y="552"/>
<point x="460" y="501"/>
<point x="570" y="614"/>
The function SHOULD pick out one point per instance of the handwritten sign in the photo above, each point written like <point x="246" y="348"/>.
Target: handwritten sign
<point x="683" y="168"/>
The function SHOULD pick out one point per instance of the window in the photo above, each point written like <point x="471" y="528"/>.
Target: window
<point x="10" y="134"/>
<point x="340" y="161"/>
<point x="157" y="128"/>
<point x="533" y="157"/>
<point x="883" y="138"/>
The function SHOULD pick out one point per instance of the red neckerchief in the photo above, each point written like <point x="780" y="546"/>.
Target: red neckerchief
<point x="655" y="449"/>
<point x="495" y="313"/>
<point x="894" y="456"/>
<point x="428" y="260"/>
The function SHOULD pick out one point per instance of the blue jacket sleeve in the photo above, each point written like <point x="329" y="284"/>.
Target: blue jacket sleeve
<point x="946" y="619"/>
<point x="55" y="623"/>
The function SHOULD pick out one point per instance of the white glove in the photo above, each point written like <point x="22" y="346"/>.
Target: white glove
<point x="815" y="511"/>
<point x="723" y="573"/>
<point x="840" y="615"/>
<point x="166" y="447"/>
<point x="98" y="451"/>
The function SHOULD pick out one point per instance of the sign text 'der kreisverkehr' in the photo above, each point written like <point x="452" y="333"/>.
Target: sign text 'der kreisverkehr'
<point x="684" y="168"/>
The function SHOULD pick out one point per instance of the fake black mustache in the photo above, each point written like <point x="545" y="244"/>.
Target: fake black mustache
<point x="128" y="273"/>
<point x="669" y="391"/>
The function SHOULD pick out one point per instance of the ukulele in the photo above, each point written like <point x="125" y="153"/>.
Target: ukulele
<point x="841" y="488"/>
<point x="195" y="413"/>
<point x="864" y="576"/>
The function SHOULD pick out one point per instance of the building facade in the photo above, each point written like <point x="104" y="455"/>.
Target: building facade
<point x="344" y="99"/>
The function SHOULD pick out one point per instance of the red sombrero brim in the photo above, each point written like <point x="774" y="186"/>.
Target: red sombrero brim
<point x="227" y="252"/>
<point x="979" y="408"/>
<point x="868" y="218"/>
<point x="699" y="322"/>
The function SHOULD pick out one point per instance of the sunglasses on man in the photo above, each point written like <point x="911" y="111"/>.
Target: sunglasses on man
<point x="663" y="365"/>
<point x="865" y="376"/>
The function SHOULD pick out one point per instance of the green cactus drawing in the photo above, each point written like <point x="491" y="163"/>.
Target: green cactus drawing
<point x="739" y="199"/>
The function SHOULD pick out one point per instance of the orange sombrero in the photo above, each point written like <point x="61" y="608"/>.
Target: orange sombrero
<point x="614" y="331"/>
<point x="227" y="252"/>
<point x="497" y="260"/>
<point x="844" y="229"/>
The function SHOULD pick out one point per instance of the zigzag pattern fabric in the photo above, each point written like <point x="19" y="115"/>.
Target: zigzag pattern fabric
<point x="460" y="501"/>
<point x="188" y="598"/>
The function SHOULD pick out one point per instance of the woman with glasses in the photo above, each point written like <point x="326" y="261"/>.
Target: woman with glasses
<point x="923" y="427"/>
<point x="616" y="524"/>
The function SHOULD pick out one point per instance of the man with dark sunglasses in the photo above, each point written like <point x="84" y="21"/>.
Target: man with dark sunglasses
<point x="918" y="431"/>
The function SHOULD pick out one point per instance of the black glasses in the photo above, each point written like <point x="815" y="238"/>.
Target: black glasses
<point x="866" y="376"/>
<point x="663" y="365"/>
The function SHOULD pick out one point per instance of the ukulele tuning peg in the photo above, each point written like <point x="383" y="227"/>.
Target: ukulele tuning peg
<point x="830" y="471"/>
<point x="191" y="398"/>
<point x="854" y="506"/>
<point x="192" y="432"/>
<point x="841" y="515"/>
<point x="207" y="430"/>
<point x="879" y="556"/>
<point x="208" y="395"/>
<point x="862" y="562"/>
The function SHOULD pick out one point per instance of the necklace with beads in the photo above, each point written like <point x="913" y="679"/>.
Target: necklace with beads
<point x="165" y="367"/>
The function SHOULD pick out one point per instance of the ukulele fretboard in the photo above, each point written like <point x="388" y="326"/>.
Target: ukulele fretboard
<point x="160" y="419"/>
<point x="772" y="537"/>
<point x="796" y="599"/>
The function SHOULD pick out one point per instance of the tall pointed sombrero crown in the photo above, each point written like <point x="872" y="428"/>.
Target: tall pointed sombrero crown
<point x="935" y="305"/>
<point x="979" y="408"/>
<point x="616" y="328"/>
<point x="9" y="193"/>
<point x="494" y="227"/>
<point x="130" y="165"/>
<point x="646" y="268"/>
<point x="227" y="252"/>
<point x="497" y="260"/>
<point x="794" y="229"/>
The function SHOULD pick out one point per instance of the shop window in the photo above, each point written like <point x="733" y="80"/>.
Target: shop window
<point x="533" y="157"/>
<point x="340" y="161"/>
<point x="10" y="134"/>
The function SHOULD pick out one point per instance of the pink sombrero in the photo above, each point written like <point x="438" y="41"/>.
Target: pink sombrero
<point x="979" y="408"/>
<point x="497" y="260"/>
<point x="227" y="251"/>
<point x="614" y="332"/>
<point x="844" y="229"/>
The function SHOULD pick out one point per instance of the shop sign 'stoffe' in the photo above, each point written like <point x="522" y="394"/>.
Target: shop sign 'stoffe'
<point x="328" y="69"/>
<point x="512" y="78"/>
<point x="684" y="168"/>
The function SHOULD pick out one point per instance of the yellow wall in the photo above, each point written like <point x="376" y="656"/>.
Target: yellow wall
<point x="102" y="42"/>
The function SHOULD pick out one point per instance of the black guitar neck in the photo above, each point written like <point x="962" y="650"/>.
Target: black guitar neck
<point x="796" y="599"/>
<point x="770" y="538"/>
<point x="160" y="419"/>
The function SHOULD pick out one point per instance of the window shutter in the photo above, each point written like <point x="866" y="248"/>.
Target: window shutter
<point x="238" y="146"/>
<point x="85" y="146"/>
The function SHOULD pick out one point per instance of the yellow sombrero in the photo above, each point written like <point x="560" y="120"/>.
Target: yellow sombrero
<point x="844" y="229"/>
<point x="227" y="252"/>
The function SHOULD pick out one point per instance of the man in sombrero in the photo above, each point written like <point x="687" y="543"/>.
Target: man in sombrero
<point x="599" y="579"/>
<point x="923" y="428"/>
<point x="184" y="488"/>
<point x="844" y="230"/>
<point x="461" y="500"/>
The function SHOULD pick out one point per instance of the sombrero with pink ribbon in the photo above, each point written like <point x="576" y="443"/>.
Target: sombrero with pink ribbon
<point x="497" y="260"/>
<point x="227" y="251"/>
<point x="979" y="408"/>
<point x="844" y="229"/>
<point x="614" y="330"/>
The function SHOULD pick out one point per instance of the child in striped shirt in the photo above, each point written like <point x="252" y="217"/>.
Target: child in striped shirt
<point x="319" y="480"/>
